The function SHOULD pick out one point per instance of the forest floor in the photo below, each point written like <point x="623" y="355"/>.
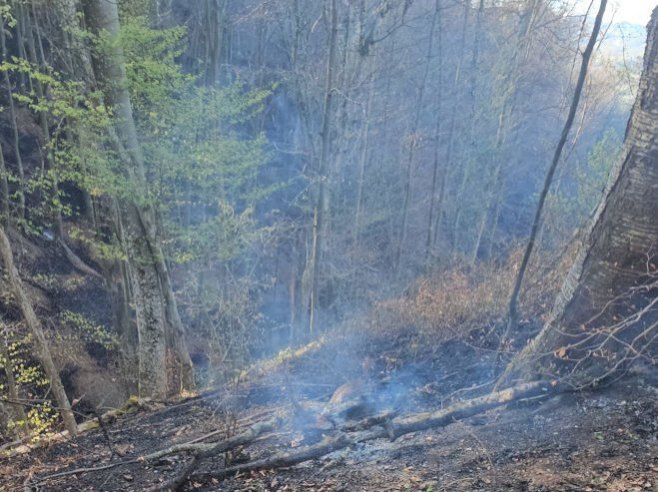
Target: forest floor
<point x="606" y="440"/>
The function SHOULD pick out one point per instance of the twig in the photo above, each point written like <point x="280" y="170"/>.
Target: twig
<point x="396" y="428"/>
<point x="81" y="470"/>
<point x="191" y="446"/>
<point x="103" y="427"/>
<point x="211" y="450"/>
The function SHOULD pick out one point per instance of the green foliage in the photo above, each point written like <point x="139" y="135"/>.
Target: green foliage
<point x="154" y="75"/>
<point x="222" y="237"/>
<point x="579" y="192"/>
<point x="591" y="178"/>
<point x="202" y="160"/>
<point x="41" y="417"/>
<point x="90" y="331"/>
<point x="202" y="171"/>
<point x="105" y="250"/>
<point x="194" y="154"/>
<point x="136" y="8"/>
<point x="7" y="15"/>
<point x="77" y="112"/>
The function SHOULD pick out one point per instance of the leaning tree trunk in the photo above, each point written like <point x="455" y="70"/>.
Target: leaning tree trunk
<point x="36" y="330"/>
<point x="152" y="291"/>
<point x="605" y="315"/>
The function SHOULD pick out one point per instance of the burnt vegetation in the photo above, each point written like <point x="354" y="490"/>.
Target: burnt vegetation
<point x="327" y="245"/>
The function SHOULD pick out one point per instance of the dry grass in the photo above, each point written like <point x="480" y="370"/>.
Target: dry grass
<point x="452" y="303"/>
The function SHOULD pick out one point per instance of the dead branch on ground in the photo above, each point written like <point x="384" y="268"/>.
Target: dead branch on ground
<point x="394" y="429"/>
<point x="201" y="449"/>
<point x="349" y="435"/>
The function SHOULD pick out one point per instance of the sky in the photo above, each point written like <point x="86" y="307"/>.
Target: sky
<point x="631" y="11"/>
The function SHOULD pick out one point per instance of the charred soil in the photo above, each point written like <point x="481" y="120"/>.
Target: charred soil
<point x="604" y="440"/>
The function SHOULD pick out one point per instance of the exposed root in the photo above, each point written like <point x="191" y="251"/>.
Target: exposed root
<point x="77" y="262"/>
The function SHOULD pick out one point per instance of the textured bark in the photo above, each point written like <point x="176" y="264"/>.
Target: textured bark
<point x="118" y="280"/>
<point x="175" y="328"/>
<point x="4" y="189"/>
<point x="149" y="276"/>
<point x="34" y="325"/>
<point x="615" y="258"/>
<point x="150" y="313"/>
<point x="513" y="311"/>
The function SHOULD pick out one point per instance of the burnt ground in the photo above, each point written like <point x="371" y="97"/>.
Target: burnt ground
<point x="605" y="440"/>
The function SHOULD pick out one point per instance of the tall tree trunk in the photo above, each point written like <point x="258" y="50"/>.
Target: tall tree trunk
<point x="323" y="169"/>
<point x="413" y="140"/>
<point x="457" y="94"/>
<point x="4" y="190"/>
<point x="34" y="325"/>
<point x="436" y="191"/>
<point x="215" y="11"/>
<point x="152" y="291"/>
<point x="509" y="91"/>
<point x="175" y="328"/>
<point x="470" y="157"/>
<point x="513" y="304"/>
<point x="603" y="317"/>
<point x="47" y="157"/>
<point x="363" y="162"/>
<point x="14" y="126"/>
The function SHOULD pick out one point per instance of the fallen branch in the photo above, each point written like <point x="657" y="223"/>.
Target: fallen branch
<point x="31" y="484"/>
<point x="34" y="441"/>
<point x="246" y="437"/>
<point x="395" y="428"/>
<point x="392" y="429"/>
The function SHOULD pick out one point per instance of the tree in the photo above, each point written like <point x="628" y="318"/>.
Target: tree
<point x="155" y="303"/>
<point x="604" y="317"/>
<point x="34" y="325"/>
<point x="587" y="54"/>
<point x="321" y="206"/>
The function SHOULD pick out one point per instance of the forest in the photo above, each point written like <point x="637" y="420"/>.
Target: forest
<point x="328" y="245"/>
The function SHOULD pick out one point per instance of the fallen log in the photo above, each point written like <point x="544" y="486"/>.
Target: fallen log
<point x="394" y="429"/>
<point x="202" y="449"/>
<point x="349" y="435"/>
<point x="208" y="450"/>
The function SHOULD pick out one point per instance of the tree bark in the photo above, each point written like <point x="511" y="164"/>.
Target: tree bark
<point x="14" y="125"/>
<point x="34" y="325"/>
<point x="4" y="190"/>
<point x="602" y="317"/>
<point x="150" y="278"/>
<point x="506" y="109"/>
<point x="319" y="217"/>
<point x="513" y="304"/>
<point x="413" y="141"/>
